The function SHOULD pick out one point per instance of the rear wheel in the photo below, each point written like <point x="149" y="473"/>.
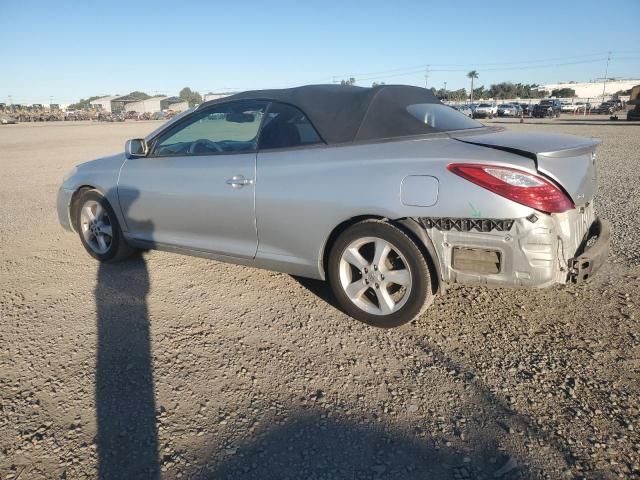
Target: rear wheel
<point x="379" y="275"/>
<point x="99" y="230"/>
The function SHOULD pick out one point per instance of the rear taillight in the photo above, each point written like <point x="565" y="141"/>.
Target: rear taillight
<point x="517" y="185"/>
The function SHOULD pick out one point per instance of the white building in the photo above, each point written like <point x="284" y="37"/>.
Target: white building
<point x="175" y="103"/>
<point x="150" y="105"/>
<point x="103" y="103"/>
<point x="593" y="90"/>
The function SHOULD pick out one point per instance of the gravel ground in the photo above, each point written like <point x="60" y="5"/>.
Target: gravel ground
<point x="175" y="367"/>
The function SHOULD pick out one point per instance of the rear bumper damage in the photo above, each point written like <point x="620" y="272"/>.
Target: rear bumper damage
<point x="593" y="254"/>
<point x="537" y="251"/>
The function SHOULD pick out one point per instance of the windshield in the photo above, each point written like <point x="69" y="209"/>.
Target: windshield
<point x="440" y="117"/>
<point x="546" y="102"/>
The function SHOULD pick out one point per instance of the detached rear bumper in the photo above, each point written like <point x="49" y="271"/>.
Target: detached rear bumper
<point x="593" y="254"/>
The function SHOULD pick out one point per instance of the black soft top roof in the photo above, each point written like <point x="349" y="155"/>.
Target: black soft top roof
<point x="345" y="113"/>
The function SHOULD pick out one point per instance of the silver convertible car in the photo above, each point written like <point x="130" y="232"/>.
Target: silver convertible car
<point x="385" y="192"/>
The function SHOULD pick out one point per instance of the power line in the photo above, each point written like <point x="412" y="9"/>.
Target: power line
<point x="422" y="66"/>
<point x="529" y="67"/>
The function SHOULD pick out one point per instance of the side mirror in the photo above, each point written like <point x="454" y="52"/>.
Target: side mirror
<point x="136" y="148"/>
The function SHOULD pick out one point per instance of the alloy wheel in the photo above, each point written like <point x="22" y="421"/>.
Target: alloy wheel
<point x="96" y="227"/>
<point x="375" y="275"/>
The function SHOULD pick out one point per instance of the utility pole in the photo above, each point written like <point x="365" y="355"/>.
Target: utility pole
<point x="426" y="77"/>
<point x="606" y="71"/>
<point x="446" y="94"/>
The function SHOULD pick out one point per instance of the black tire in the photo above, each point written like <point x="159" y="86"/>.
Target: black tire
<point x="421" y="292"/>
<point x="118" y="248"/>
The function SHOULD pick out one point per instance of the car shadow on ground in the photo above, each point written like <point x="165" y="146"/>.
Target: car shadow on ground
<point x="313" y="445"/>
<point x="320" y="289"/>
<point x="316" y="442"/>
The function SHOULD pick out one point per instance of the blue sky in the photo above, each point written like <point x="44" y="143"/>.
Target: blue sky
<point x="67" y="50"/>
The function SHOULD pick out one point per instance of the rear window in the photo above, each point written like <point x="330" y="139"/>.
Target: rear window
<point x="440" y="117"/>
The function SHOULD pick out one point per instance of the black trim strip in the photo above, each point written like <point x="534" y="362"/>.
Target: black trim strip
<point x="467" y="224"/>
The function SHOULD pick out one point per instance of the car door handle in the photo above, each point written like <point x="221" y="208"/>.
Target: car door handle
<point x="238" y="181"/>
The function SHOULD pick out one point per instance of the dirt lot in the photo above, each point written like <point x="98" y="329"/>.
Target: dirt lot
<point x="177" y="367"/>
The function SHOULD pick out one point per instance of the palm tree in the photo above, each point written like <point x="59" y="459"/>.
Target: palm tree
<point x="472" y="74"/>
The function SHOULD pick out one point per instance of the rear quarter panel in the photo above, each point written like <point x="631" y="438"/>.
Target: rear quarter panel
<point x="303" y="194"/>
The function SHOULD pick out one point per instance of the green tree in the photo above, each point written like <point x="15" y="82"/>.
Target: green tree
<point x="472" y="75"/>
<point x="190" y="96"/>
<point x="351" y="81"/>
<point x="563" y="92"/>
<point x="139" y="95"/>
<point x="479" y="93"/>
<point x="375" y="84"/>
<point x="83" y="104"/>
<point x="456" y="95"/>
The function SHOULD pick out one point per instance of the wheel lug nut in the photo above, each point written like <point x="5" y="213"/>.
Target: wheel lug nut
<point x="377" y="286"/>
<point x="375" y="267"/>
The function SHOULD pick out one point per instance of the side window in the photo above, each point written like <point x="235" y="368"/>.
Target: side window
<point x="286" y="126"/>
<point x="227" y="128"/>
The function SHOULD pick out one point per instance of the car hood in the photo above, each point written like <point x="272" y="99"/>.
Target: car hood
<point x="101" y="173"/>
<point x="569" y="160"/>
<point x="110" y="162"/>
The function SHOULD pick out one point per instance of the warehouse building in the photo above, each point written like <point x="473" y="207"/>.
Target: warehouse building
<point x="593" y="89"/>
<point x="128" y="103"/>
<point x="176" y="104"/>
<point x="149" y="105"/>
<point x="124" y="103"/>
<point x="102" y="103"/>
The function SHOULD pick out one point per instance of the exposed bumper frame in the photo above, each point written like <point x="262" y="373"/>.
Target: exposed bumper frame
<point x="593" y="256"/>
<point x="537" y="251"/>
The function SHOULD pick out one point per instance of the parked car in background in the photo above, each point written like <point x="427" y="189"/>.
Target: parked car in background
<point x="485" y="110"/>
<point x="634" y="113"/>
<point x="568" y="107"/>
<point x="299" y="181"/>
<point x="6" y="119"/>
<point x="527" y="109"/>
<point x="617" y="104"/>
<point x="634" y="103"/>
<point x="605" y="108"/>
<point x="547" y="108"/>
<point x="582" y="106"/>
<point x="464" y="109"/>
<point x="509" y="110"/>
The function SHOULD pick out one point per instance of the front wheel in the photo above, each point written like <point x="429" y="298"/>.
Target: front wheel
<point x="99" y="230"/>
<point x="379" y="275"/>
